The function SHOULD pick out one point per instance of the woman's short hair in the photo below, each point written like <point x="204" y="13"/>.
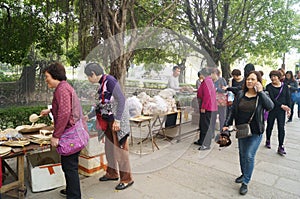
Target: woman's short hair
<point x="93" y="67"/>
<point x="56" y="70"/>
<point x="275" y="73"/>
<point x="236" y="72"/>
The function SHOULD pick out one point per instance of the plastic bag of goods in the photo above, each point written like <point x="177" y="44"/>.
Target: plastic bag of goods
<point x="135" y="106"/>
<point x="161" y="104"/>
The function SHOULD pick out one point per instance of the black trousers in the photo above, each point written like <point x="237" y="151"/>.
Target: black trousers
<point x="70" y="168"/>
<point x="280" y="116"/>
<point x="205" y="136"/>
<point x="292" y="110"/>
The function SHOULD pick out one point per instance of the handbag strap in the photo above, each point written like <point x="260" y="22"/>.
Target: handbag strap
<point x="254" y="110"/>
<point x="279" y="91"/>
<point x="102" y="86"/>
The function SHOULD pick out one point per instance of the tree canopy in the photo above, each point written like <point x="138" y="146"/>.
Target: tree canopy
<point x="69" y="30"/>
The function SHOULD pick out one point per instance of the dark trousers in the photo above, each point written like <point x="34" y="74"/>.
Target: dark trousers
<point x="205" y="135"/>
<point x="70" y="167"/>
<point x="292" y="110"/>
<point x="280" y="116"/>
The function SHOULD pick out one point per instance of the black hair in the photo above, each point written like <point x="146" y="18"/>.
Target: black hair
<point x="175" y="68"/>
<point x="249" y="67"/>
<point x="56" y="70"/>
<point x="258" y="76"/>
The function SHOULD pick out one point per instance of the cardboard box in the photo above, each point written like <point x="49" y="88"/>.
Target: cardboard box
<point x="94" y="147"/>
<point x="90" y="166"/>
<point x="45" y="171"/>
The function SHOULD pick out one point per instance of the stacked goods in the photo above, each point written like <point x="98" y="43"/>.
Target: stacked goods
<point x="92" y="158"/>
<point x="159" y="104"/>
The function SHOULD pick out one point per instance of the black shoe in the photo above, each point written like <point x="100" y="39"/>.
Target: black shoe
<point x="123" y="185"/>
<point x="63" y="192"/>
<point x="197" y="143"/>
<point x="104" y="178"/>
<point x="243" y="189"/>
<point x="203" y="148"/>
<point x="239" y="179"/>
<point x="290" y="120"/>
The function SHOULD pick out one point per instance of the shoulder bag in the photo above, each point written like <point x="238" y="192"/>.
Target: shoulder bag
<point x="243" y="130"/>
<point x="73" y="139"/>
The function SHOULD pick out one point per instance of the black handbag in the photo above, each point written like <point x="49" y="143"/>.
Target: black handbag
<point x="243" y="130"/>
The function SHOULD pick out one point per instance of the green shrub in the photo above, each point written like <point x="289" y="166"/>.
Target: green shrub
<point x="15" y="116"/>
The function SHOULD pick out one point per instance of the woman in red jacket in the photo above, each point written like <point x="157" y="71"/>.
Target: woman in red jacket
<point x="206" y="95"/>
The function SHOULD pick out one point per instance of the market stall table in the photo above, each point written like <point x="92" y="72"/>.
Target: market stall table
<point x="142" y="121"/>
<point x="19" y="153"/>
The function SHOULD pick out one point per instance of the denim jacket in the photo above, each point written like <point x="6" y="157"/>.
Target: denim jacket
<point x="264" y="103"/>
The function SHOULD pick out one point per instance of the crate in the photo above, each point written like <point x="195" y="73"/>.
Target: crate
<point x="45" y="171"/>
<point x="94" y="147"/>
<point x="90" y="166"/>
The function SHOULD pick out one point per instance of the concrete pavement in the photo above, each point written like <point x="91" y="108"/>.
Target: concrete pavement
<point x="179" y="170"/>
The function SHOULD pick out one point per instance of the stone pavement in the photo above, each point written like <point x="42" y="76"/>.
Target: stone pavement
<point x="179" y="170"/>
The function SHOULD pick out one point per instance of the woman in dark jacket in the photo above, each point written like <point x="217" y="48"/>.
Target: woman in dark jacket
<point x="280" y="95"/>
<point x="244" y="106"/>
<point x="293" y="87"/>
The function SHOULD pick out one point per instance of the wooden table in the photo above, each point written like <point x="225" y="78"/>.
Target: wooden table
<point x="19" y="183"/>
<point x="142" y="121"/>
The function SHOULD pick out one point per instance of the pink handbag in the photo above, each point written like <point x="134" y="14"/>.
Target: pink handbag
<point x="73" y="139"/>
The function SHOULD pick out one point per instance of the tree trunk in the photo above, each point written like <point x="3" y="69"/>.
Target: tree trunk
<point x="26" y="83"/>
<point x="225" y="66"/>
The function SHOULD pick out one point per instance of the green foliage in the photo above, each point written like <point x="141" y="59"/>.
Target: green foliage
<point x="73" y="56"/>
<point x="16" y="116"/>
<point x="8" y="78"/>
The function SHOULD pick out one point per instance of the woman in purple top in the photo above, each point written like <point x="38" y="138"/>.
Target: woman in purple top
<point x="66" y="111"/>
<point x="111" y="106"/>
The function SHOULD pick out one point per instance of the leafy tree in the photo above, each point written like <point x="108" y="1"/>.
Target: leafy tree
<point x="228" y="30"/>
<point x="110" y="22"/>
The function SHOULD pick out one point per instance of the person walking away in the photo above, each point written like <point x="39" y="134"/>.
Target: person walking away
<point x="280" y="95"/>
<point x="111" y="108"/>
<point x="66" y="111"/>
<point x="251" y="100"/>
<point x="293" y="87"/>
<point x="219" y="83"/>
<point x="206" y="95"/>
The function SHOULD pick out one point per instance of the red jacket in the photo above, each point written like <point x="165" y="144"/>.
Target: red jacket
<point x="207" y="94"/>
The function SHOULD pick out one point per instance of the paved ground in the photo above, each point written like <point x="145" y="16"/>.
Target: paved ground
<point x="179" y="170"/>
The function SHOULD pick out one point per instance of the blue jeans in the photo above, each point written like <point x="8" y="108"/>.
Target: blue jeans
<point x="247" y="150"/>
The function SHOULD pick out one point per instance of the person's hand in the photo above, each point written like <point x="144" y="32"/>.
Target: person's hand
<point x="224" y="88"/>
<point x="86" y="118"/>
<point x="202" y="110"/>
<point x="116" y="125"/>
<point x="259" y="87"/>
<point x="45" y="112"/>
<point x="54" y="141"/>
<point x="225" y="128"/>
<point x="285" y="108"/>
